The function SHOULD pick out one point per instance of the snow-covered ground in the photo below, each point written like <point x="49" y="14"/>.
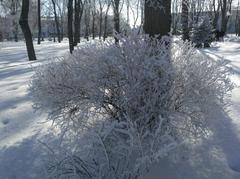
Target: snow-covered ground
<point x="21" y="128"/>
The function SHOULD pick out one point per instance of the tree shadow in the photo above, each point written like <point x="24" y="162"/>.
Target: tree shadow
<point x="216" y="157"/>
<point x="22" y="161"/>
<point x="26" y="159"/>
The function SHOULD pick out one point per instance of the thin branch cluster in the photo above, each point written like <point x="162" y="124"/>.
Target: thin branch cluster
<point x="122" y="107"/>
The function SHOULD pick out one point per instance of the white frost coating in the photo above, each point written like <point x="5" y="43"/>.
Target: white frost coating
<point x="201" y="35"/>
<point x="156" y="4"/>
<point x="123" y="107"/>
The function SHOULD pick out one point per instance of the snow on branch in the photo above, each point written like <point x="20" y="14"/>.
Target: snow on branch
<point x="123" y="107"/>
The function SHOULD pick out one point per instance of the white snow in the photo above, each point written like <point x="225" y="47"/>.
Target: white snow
<point x="20" y="127"/>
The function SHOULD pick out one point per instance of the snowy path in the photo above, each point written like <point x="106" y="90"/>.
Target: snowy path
<point x="20" y="127"/>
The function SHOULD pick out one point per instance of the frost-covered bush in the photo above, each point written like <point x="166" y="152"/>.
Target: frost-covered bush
<point x="201" y="34"/>
<point x="111" y="150"/>
<point x="123" y="107"/>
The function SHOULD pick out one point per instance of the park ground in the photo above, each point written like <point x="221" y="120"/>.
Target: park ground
<point x="23" y="130"/>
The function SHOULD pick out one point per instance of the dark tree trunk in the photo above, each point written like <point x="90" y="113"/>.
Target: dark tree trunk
<point x="100" y="19"/>
<point x="93" y="18"/>
<point x="54" y="32"/>
<point x="157" y="21"/>
<point x="216" y="12"/>
<point x="76" y="22"/>
<point x="14" y="10"/>
<point x="116" y="17"/>
<point x="39" y="22"/>
<point x="70" y="28"/>
<point x="86" y="19"/>
<point x="224" y="16"/>
<point x="26" y="30"/>
<point x="56" y="21"/>
<point x="1" y="36"/>
<point x="237" y="21"/>
<point x="105" y="27"/>
<point x="100" y="24"/>
<point x="15" y="24"/>
<point x="81" y="14"/>
<point x="226" y="7"/>
<point x="185" y="29"/>
<point x="106" y="23"/>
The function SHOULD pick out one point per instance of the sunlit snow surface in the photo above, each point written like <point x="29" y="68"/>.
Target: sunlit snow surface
<point x="21" y="128"/>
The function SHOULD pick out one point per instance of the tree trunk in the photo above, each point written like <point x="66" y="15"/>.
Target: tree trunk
<point x="76" y="22"/>
<point x="1" y="36"/>
<point x="39" y="22"/>
<point x="93" y="19"/>
<point x="26" y="30"/>
<point x="237" y="20"/>
<point x="13" y="11"/>
<point x="81" y="15"/>
<point x="100" y="23"/>
<point x="56" y="21"/>
<point x="224" y="15"/>
<point x="157" y="20"/>
<point x="105" y="23"/>
<point x="86" y="19"/>
<point x="15" y="31"/>
<point x="70" y="28"/>
<point x="185" y="29"/>
<point x="157" y="23"/>
<point x="116" y="18"/>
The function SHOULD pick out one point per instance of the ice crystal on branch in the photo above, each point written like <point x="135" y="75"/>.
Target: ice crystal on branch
<point x="156" y="4"/>
<point x="128" y="104"/>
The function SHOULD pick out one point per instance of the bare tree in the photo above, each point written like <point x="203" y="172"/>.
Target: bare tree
<point x="11" y="7"/>
<point x="175" y="15"/>
<point x="87" y="18"/>
<point x="70" y="25"/>
<point x="116" y="12"/>
<point x="56" y="20"/>
<point x="39" y="22"/>
<point x="226" y="7"/>
<point x="215" y="9"/>
<point x="26" y="30"/>
<point x="237" y="21"/>
<point x="93" y="17"/>
<point x="101" y="6"/>
<point x="106" y="20"/>
<point x="76" y="22"/>
<point x="157" y="17"/>
<point x="184" y="19"/>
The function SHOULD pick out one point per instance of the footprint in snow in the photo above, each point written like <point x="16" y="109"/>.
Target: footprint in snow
<point x="13" y="89"/>
<point x="5" y="121"/>
<point x="235" y="165"/>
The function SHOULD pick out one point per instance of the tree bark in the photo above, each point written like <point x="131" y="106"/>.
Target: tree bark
<point x="13" y="11"/>
<point x="39" y="22"/>
<point x="76" y="22"/>
<point x="116" y="18"/>
<point x="26" y="30"/>
<point x="157" y="20"/>
<point x="56" y="21"/>
<point x="82" y="4"/>
<point x="224" y="16"/>
<point x="87" y="21"/>
<point x="70" y="28"/>
<point x="106" y="23"/>
<point x="185" y="29"/>
<point x="100" y="21"/>
<point x="93" y="19"/>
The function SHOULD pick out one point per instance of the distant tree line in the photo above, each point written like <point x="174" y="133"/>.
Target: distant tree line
<point x="87" y="19"/>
